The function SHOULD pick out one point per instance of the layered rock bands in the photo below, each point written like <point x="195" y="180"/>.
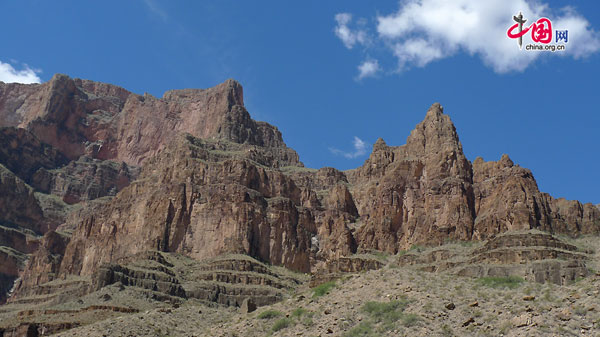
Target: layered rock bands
<point x="120" y="174"/>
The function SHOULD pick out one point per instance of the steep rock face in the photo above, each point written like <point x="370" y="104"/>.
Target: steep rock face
<point x="420" y="192"/>
<point x="507" y="198"/>
<point x="71" y="141"/>
<point x="201" y="202"/>
<point x="44" y="263"/>
<point x="213" y="181"/>
<point x="84" y="179"/>
<point x="23" y="154"/>
<point x="572" y="217"/>
<point x="103" y="121"/>
<point x="11" y="262"/>
<point x="18" y="204"/>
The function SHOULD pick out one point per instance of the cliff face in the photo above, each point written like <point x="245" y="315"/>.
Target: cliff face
<point x="418" y="193"/>
<point x="103" y="121"/>
<point x="192" y="173"/>
<point x="68" y="142"/>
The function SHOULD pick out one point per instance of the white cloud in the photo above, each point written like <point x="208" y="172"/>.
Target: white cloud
<point x="416" y="51"/>
<point x="348" y="36"/>
<point x="8" y="74"/>
<point x="360" y="149"/>
<point x="423" y="31"/>
<point x="368" y="68"/>
<point x="156" y="9"/>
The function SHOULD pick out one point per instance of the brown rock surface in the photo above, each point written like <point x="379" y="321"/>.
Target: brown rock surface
<point x="507" y="198"/>
<point x="44" y="126"/>
<point x="420" y="192"/>
<point x="84" y="179"/>
<point x="19" y="205"/>
<point x="43" y="264"/>
<point x="534" y="255"/>
<point x="201" y="202"/>
<point x="213" y="181"/>
<point x="104" y="121"/>
<point x="23" y="154"/>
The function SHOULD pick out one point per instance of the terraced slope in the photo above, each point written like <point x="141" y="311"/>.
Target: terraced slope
<point x="142" y="282"/>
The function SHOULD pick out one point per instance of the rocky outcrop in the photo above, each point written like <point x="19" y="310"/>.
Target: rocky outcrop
<point x="535" y="256"/>
<point x="43" y="266"/>
<point x="200" y="202"/>
<point x="24" y="154"/>
<point x="337" y="268"/>
<point x="84" y="179"/>
<point x="71" y="141"/>
<point x="213" y="181"/>
<point x="538" y="257"/>
<point x="103" y="121"/>
<point x="507" y="198"/>
<point x="232" y="279"/>
<point x="14" y="246"/>
<point x="19" y="206"/>
<point x="420" y="192"/>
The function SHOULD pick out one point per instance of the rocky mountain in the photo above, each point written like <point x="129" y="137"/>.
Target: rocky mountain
<point x="92" y="175"/>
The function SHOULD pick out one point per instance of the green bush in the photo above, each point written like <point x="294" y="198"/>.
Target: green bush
<point x="281" y="324"/>
<point x="510" y="282"/>
<point x="268" y="314"/>
<point x="384" y="317"/>
<point x="364" y="329"/>
<point x="299" y="312"/>
<point x="323" y="288"/>
<point x="409" y="320"/>
<point x="417" y="248"/>
<point x="387" y="312"/>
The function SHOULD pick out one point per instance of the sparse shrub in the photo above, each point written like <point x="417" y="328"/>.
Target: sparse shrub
<point x="466" y="243"/>
<point x="268" y="314"/>
<point x="548" y="296"/>
<point x="417" y="248"/>
<point x="307" y="321"/>
<point x="281" y="324"/>
<point x="509" y="282"/>
<point x="385" y="312"/>
<point x="388" y="313"/>
<point x="299" y="312"/>
<point x="580" y="310"/>
<point x="364" y="329"/>
<point x="409" y="320"/>
<point x="323" y="288"/>
<point x="380" y="254"/>
<point x="447" y="330"/>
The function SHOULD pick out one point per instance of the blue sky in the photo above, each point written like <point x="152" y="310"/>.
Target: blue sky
<point x="300" y="64"/>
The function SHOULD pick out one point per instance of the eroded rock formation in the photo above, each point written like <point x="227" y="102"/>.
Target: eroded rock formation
<point x="212" y="181"/>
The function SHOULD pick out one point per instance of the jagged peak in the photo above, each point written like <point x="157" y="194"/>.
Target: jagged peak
<point x="436" y="109"/>
<point x="379" y="144"/>
<point x="505" y="161"/>
<point x="436" y="131"/>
